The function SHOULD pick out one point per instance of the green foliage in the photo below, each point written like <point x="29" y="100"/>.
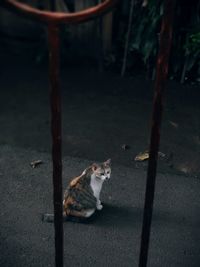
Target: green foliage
<point x="192" y="49"/>
<point x="186" y="37"/>
<point x="145" y="30"/>
<point x="193" y="44"/>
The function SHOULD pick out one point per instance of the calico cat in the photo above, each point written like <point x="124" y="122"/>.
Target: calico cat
<point x="82" y="197"/>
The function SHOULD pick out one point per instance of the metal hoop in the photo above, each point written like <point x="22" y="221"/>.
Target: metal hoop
<point x="59" y="17"/>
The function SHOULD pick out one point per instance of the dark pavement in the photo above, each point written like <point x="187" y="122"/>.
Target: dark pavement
<point x="100" y="114"/>
<point x="112" y="238"/>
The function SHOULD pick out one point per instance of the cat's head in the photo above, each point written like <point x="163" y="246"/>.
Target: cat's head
<point x="102" y="171"/>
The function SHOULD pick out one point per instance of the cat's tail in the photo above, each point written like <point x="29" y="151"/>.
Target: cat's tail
<point x="47" y="217"/>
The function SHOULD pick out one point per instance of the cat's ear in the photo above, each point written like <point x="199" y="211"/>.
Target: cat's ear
<point x="107" y="162"/>
<point x="94" y="166"/>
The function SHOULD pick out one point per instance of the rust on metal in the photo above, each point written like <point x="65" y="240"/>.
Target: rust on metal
<point x="55" y="99"/>
<point x="60" y="17"/>
<point x="161" y="76"/>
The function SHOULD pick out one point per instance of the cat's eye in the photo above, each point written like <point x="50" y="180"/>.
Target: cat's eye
<point x="108" y="172"/>
<point x="102" y="173"/>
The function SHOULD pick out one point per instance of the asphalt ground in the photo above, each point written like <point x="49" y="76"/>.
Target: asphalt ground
<point x="112" y="238"/>
<point x="101" y="112"/>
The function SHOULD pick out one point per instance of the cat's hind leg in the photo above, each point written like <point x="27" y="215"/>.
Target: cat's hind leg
<point x="82" y="213"/>
<point x="89" y="213"/>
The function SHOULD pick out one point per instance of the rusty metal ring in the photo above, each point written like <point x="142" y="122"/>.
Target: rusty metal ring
<point x="59" y="17"/>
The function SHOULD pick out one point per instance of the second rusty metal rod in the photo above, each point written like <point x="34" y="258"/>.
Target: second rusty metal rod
<point x="55" y="98"/>
<point x="161" y="76"/>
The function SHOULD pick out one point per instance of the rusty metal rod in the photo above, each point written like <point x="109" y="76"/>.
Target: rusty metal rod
<point x="161" y="76"/>
<point x="59" y="17"/>
<point x="53" y="19"/>
<point x="55" y="99"/>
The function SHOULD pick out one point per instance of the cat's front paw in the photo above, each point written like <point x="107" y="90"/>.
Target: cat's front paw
<point x="99" y="207"/>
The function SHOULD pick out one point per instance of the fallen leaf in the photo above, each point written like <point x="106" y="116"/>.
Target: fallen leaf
<point x="125" y="147"/>
<point x="174" y="124"/>
<point x="35" y="163"/>
<point x="161" y="155"/>
<point x="142" y="156"/>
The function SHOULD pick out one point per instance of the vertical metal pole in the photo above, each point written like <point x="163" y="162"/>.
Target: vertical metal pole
<point x="55" y="98"/>
<point x="132" y="4"/>
<point x="161" y="76"/>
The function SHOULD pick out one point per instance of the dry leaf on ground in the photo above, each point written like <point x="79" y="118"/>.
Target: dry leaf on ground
<point x="142" y="156"/>
<point x="174" y="124"/>
<point x="35" y="163"/>
<point x="125" y="147"/>
<point x="145" y="155"/>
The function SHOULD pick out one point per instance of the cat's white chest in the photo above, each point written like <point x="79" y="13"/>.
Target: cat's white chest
<point x="96" y="186"/>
